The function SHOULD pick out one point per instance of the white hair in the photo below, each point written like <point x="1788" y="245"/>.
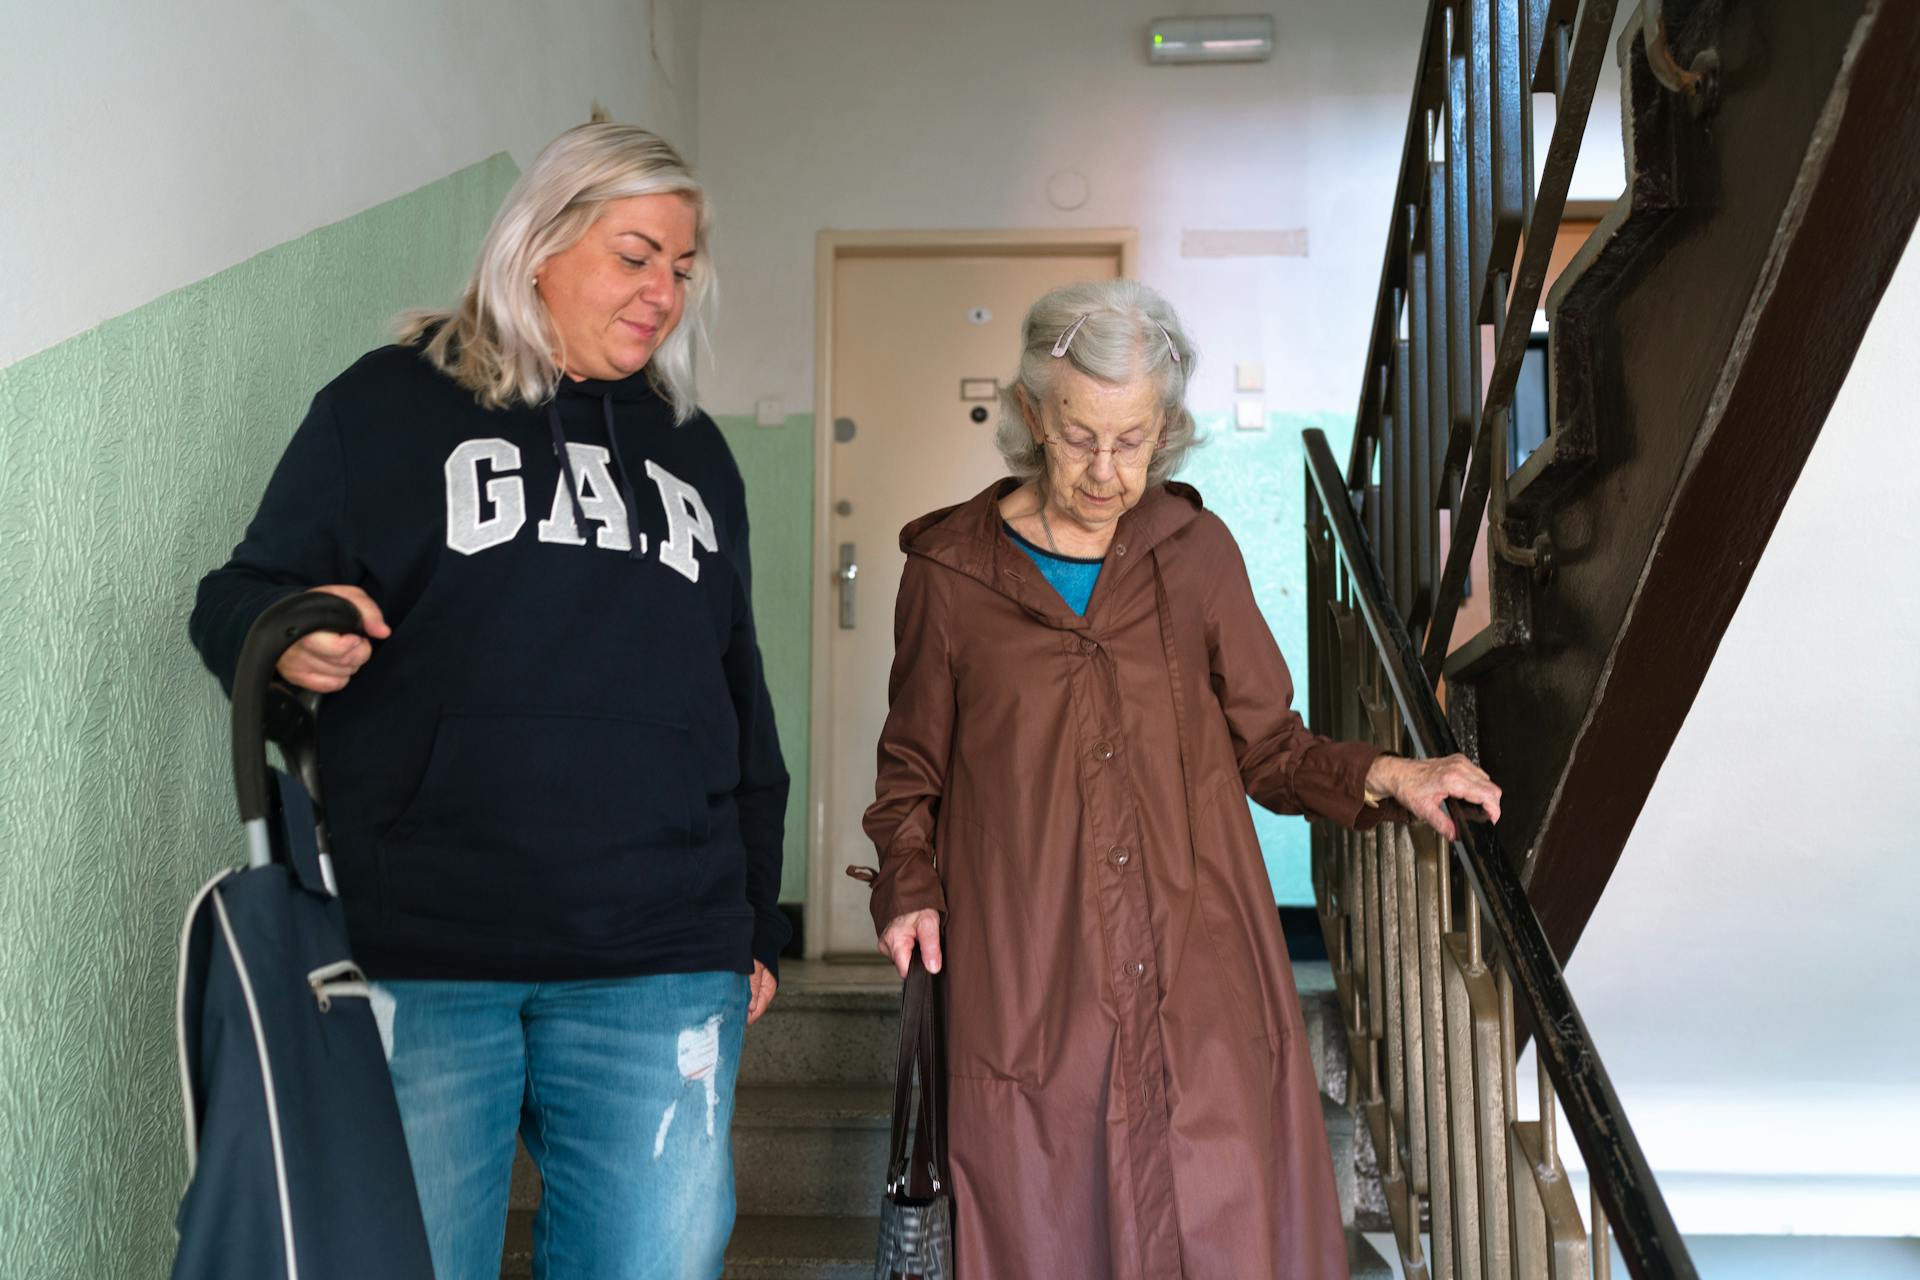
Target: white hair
<point x="1121" y="331"/>
<point x="500" y="342"/>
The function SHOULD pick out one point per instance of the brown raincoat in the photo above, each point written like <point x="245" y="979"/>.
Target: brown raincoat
<point x="1131" y="1095"/>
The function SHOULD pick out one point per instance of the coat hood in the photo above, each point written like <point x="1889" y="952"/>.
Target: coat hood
<point x="968" y="539"/>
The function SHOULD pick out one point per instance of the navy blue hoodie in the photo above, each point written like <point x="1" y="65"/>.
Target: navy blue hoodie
<point x="563" y="764"/>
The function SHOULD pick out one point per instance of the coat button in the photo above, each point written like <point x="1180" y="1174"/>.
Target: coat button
<point x="1119" y="548"/>
<point x="1103" y="750"/>
<point x="1119" y="855"/>
<point x="1086" y="647"/>
<point x="1136" y="968"/>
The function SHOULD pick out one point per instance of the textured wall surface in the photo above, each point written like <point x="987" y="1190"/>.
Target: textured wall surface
<point x="1256" y="482"/>
<point x="777" y="464"/>
<point x="130" y="458"/>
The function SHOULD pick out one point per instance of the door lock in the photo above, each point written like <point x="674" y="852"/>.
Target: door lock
<point x="849" y="570"/>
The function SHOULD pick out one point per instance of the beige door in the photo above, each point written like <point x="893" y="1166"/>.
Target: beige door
<point x="907" y="330"/>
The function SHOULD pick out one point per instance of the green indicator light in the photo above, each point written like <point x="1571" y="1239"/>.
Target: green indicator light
<point x="1158" y="38"/>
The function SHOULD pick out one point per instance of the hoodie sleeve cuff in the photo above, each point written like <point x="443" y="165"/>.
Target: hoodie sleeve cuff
<point x="770" y="935"/>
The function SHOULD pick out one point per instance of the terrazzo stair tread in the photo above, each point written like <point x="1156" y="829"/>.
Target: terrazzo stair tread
<point x="1364" y="1261"/>
<point x="1340" y="1124"/>
<point x="810" y="1152"/>
<point x="516" y="1260"/>
<point x="839" y="1024"/>
<point x="790" y="1248"/>
<point x="762" y="1248"/>
<point x="767" y="1247"/>
<point x="799" y="1150"/>
<point x="830" y="1024"/>
<point x="525" y="1192"/>
<point x="812" y="1106"/>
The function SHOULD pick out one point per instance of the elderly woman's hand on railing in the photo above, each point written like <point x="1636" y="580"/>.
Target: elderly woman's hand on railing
<point x="1423" y="787"/>
<point x="897" y="939"/>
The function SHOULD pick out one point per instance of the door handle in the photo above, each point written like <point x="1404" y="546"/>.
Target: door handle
<point x="848" y="571"/>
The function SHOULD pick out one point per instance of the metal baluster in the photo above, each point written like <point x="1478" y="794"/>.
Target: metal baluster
<point x="1427" y="890"/>
<point x="1409" y="426"/>
<point x="1492" y="1061"/>
<point x="1438" y="419"/>
<point x="1413" y="1029"/>
<point x="1463" y="1103"/>
<point x="1602" y="1234"/>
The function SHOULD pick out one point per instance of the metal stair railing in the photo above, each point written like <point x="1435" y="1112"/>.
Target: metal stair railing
<point x="1429" y="963"/>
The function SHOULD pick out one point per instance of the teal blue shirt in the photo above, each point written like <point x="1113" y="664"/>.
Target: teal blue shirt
<point x="1072" y="578"/>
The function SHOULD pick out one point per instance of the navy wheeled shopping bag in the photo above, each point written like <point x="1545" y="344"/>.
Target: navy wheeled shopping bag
<point x="299" y="1166"/>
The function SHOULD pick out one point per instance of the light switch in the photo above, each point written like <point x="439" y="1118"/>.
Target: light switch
<point x="769" y="413"/>
<point x="1250" y="377"/>
<point x="1250" y="413"/>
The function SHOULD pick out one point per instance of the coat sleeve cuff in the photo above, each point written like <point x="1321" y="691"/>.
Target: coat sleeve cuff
<point x="905" y="883"/>
<point x="1332" y="784"/>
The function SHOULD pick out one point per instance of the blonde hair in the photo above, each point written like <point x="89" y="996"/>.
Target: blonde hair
<point x="1122" y="330"/>
<point x="499" y="342"/>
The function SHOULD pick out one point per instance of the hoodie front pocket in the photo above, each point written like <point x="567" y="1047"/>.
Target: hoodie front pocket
<point x="559" y="825"/>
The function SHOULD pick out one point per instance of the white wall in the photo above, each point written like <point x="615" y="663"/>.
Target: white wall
<point x="928" y="113"/>
<point x="1749" y="974"/>
<point x="146" y="146"/>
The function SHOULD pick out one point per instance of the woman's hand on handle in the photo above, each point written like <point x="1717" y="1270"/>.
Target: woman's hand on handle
<point x="326" y="660"/>
<point x="897" y="940"/>
<point x="1423" y="787"/>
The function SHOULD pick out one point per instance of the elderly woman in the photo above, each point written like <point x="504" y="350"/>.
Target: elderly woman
<point x="550" y="767"/>
<point x="1083" y="691"/>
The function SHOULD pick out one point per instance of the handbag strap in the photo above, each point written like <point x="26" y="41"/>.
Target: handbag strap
<point x="922" y="1058"/>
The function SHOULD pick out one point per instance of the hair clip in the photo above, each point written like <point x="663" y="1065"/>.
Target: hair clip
<point x="1171" y="349"/>
<point x="1066" y="339"/>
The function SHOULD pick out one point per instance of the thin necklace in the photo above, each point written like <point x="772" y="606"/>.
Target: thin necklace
<point x="1049" y="528"/>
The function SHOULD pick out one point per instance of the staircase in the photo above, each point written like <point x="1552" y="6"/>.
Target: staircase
<point x="810" y="1128"/>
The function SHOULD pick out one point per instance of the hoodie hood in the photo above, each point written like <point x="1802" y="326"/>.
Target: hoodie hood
<point x="969" y="540"/>
<point x="635" y="386"/>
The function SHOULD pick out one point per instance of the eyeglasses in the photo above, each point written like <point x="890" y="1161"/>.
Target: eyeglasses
<point x="1124" y="455"/>
<point x="1065" y="343"/>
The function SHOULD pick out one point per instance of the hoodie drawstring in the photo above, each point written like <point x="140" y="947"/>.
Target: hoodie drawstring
<point x="566" y="463"/>
<point x="635" y="547"/>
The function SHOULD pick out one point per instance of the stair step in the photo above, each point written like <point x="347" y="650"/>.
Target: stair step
<point x="810" y="1151"/>
<point x="788" y="1248"/>
<point x="793" y="1248"/>
<point x="516" y="1260"/>
<point x="762" y="1248"/>
<point x="1364" y="1261"/>
<point x="822" y="1152"/>
<point x="831" y="1024"/>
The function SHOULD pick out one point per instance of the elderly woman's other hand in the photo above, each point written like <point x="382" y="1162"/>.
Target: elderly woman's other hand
<point x="325" y="660"/>
<point x="1425" y="786"/>
<point x="897" y="939"/>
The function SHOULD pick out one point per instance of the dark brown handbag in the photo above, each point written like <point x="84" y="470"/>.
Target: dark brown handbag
<point x="916" y="1211"/>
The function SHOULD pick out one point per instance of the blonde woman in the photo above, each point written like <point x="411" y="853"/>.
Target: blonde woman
<point x="550" y="765"/>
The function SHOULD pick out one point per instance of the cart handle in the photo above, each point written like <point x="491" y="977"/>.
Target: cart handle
<point x="278" y="628"/>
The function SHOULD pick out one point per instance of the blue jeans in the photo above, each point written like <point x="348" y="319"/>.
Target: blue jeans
<point x="623" y="1090"/>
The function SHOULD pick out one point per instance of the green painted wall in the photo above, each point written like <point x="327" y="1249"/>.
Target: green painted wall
<point x="1256" y="482"/>
<point x="777" y="464"/>
<point x="130" y="458"/>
